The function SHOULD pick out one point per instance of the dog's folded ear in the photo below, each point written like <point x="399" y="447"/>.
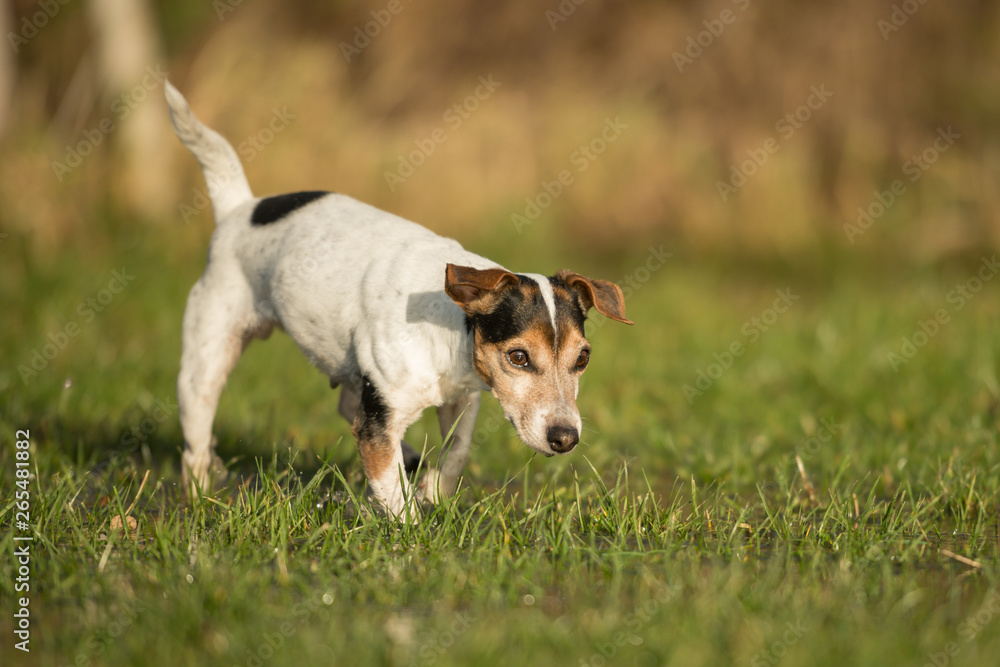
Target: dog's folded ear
<point x="605" y="296"/>
<point x="472" y="288"/>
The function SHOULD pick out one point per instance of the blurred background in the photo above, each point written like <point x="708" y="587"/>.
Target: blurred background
<point x="697" y="89"/>
<point x="846" y="152"/>
<point x="801" y="200"/>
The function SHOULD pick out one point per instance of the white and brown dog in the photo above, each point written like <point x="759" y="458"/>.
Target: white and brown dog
<point x="401" y="317"/>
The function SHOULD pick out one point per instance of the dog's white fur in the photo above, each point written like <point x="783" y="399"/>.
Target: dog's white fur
<point x="360" y="292"/>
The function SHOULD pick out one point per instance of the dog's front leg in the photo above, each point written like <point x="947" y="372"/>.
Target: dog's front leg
<point x="348" y="407"/>
<point x="378" y="432"/>
<point x="459" y="419"/>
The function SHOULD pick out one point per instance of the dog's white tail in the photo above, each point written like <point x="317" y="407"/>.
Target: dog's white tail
<point x="224" y="176"/>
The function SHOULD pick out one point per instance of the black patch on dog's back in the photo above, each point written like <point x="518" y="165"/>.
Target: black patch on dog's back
<point x="272" y="209"/>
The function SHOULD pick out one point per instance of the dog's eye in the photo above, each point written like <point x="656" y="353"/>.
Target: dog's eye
<point x="518" y="357"/>
<point x="583" y="360"/>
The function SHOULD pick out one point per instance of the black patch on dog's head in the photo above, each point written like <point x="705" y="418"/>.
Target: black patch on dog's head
<point x="272" y="209"/>
<point x="520" y="307"/>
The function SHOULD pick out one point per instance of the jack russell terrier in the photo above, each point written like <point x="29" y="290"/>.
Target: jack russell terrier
<point x="401" y="317"/>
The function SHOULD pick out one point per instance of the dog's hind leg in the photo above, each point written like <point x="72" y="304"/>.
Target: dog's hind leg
<point x="458" y="419"/>
<point x="348" y="409"/>
<point x="219" y="323"/>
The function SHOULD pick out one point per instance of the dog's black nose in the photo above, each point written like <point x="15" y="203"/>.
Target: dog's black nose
<point x="562" y="438"/>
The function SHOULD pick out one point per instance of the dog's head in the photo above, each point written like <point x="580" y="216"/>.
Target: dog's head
<point x="529" y="344"/>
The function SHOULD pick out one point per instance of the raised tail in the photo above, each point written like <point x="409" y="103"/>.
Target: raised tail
<point x="224" y="176"/>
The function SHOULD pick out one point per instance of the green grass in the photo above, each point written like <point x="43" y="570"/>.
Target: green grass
<point x="677" y="533"/>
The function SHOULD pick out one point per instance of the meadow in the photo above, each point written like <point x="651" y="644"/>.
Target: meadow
<point x="784" y="462"/>
<point x="790" y="459"/>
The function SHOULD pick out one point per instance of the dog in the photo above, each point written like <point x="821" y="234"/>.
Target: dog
<point x="401" y="318"/>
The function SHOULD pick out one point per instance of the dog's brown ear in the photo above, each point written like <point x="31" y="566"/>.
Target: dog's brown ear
<point x="471" y="288"/>
<point x="605" y="296"/>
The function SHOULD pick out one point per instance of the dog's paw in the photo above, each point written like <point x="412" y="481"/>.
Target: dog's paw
<point x="429" y="489"/>
<point x="204" y="474"/>
<point x="403" y="506"/>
